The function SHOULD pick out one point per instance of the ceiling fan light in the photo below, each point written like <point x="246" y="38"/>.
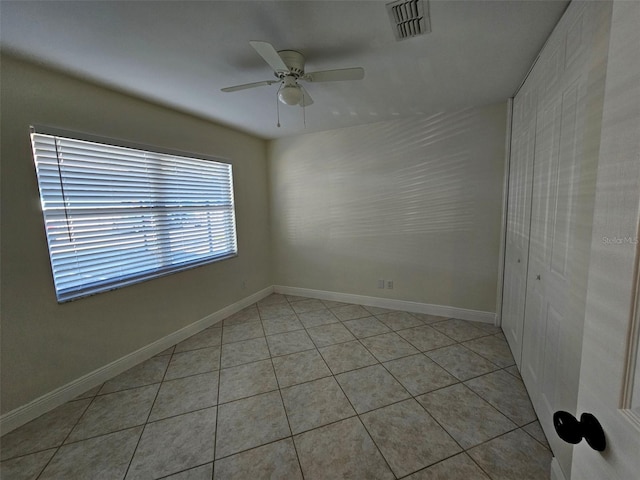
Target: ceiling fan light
<point x="290" y="95"/>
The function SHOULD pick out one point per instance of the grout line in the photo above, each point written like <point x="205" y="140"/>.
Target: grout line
<point x="424" y="469"/>
<point x="316" y="348"/>
<point x="65" y="438"/>
<point x="155" y="398"/>
<point x="186" y="470"/>
<point x="215" y="431"/>
<point x="286" y="415"/>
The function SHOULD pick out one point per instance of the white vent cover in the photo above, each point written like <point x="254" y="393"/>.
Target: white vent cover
<point x="409" y="18"/>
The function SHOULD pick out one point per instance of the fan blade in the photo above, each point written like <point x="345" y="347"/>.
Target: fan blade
<point x="249" y="85"/>
<point x="356" y="73"/>
<point x="306" y="98"/>
<point x="270" y="55"/>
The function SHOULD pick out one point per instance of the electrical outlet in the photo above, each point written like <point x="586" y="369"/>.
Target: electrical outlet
<point x="390" y="284"/>
<point x="380" y="283"/>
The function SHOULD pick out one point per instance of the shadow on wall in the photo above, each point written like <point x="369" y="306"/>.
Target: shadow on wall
<point x="415" y="182"/>
<point x="404" y="199"/>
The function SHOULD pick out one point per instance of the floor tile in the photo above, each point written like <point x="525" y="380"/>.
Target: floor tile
<point x="48" y="430"/>
<point x="418" y="374"/>
<point x="185" y="395"/>
<point x="513" y="455"/>
<point x="329" y="334"/>
<point x="349" y="312"/>
<point x="317" y="317"/>
<point x="513" y="370"/>
<point x="289" y="342"/>
<point x="27" y="467"/>
<point x="467" y="417"/>
<point x="408" y="437"/>
<point x="313" y="404"/>
<point x="242" y="331"/>
<point x="89" y="393"/>
<point x="272" y="299"/>
<point x="458" y="467"/>
<point x="308" y="306"/>
<point x="366" y="327"/>
<point x="426" y="338"/>
<point x="246" y="380"/>
<point x="501" y="335"/>
<point x="340" y="450"/>
<point x="347" y="356"/>
<point x="429" y="319"/>
<point x="388" y="346"/>
<point x="203" y="472"/>
<point x="115" y="411"/>
<point x="461" y="362"/>
<point x="494" y="349"/>
<point x="295" y="298"/>
<point x="516" y="406"/>
<point x="275" y="461"/>
<point x="244" y="352"/>
<point x="275" y="310"/>
<point x="167" y="351"/>
<point x="378" y="310"/>
<point x="245" y="315"/>
<point x="459" y="330"/>
<point x="175" y="444"/>
<point x="193" y="362"/>
<point x="535" y="430"/>
<point x="371" y="387"/>
<point x="106" y="456"/>
<point x="300" y="367"/>
<point x="284" y="323"/>
<point x="487" y="327"/>
<point x="209" y="337"/>
<point x="333" y="304"/>
<point x="145" y="373"/>
<point x="399" y="320"/>
<point x="250" y="422"/>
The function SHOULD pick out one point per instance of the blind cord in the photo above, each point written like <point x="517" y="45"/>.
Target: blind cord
<point x="64" y="197"/>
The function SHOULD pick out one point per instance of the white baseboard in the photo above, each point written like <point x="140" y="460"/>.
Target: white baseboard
<point x="440" y="310"/>
<point x="21" y="415"/>
<point x="556" y="472"/>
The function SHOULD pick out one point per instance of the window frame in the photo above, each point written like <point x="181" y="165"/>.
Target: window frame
<point x="86" y="291"/>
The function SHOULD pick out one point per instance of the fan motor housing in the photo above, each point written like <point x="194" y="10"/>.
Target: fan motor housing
<point x="294" y="62"/>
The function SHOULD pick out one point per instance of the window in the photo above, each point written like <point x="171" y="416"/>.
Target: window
<point x="116" y="215"/>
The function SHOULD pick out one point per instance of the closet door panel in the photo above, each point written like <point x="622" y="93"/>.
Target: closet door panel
<point x="518" y="220"/>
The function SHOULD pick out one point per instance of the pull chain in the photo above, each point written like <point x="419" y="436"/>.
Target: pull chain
<point x="278" y="105"/>
<point x="304" y="111"/>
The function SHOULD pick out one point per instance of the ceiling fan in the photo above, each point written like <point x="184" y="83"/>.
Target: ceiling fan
<point x="288" y="67"/>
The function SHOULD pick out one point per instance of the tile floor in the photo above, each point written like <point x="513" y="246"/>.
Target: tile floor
<point x="294" y="388"/>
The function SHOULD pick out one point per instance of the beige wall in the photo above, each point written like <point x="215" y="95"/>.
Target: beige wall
<point x="416" y="201"/>
<point x="46" y="345"/>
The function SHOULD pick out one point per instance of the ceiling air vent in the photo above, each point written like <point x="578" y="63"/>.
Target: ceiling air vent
<point x="409" y="18"/>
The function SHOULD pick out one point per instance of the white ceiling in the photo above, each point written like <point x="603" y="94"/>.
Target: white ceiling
<point x="180" y="53"/>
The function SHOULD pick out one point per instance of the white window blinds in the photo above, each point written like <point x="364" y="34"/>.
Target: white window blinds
<point x="116" y="215"/>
